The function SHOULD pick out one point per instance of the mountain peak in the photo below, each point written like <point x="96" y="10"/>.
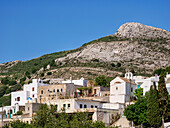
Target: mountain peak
<point x="138" y="30"/>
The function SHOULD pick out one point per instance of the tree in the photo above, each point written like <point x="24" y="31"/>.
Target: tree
<point x="12" y="82"/>
<point x="138" y="92"/>
<point x="27" y="73"/>
<point x="112" y="64"/>
<point x="49" y="73"/>
<point x="101" y="80"/>
<point x="137" y="112"/>
<point x="3" y="89"/>
<point x="52" y="63"/>
<point x="4" y="80"/>
<point x="118" y="64"/>
<point x="18" y="124"/>
<point x="42" y="74"/>
<point x="163" y="97"/>
<point x="45" y="116"/>
<point x="153" y="110"/>
<point x="34" y="70"/>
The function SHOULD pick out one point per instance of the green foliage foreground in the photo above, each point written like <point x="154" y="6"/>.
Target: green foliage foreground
<point x="48" y="117"/>
<point x="151" y="109"/>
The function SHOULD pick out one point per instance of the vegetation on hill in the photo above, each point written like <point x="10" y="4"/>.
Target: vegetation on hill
<point x="164" y="70"/>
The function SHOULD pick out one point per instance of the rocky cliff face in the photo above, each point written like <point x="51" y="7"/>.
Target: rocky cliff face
<point x="146" y="48"/>
<point x="138" y="30"/>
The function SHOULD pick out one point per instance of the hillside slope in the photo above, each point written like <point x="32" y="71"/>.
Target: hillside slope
<point x="134" y="46"/>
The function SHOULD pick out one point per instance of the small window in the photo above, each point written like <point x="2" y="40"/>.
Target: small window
<point x="68" y="105"/>
<point x="131" y="89"/>
<point x="41" y="91"/>
<point x="81" y="106"/>
<point x="91" y="106"/>
<point x="95" y="106"/>
<point x="48" y="90"/>
<point x="85" y="106"/>
<point x="116" y="88"/>
<point x="28" y="108"/>
<point x="61" y="90"/>
<point x="53" y="90"/>
<point x="33" y="95"/>
<point x="33" y="89"/>
<point x="57" y="90"/>
<point x="15" y="99"/>
<point x="64" y="105"/>
<point x="18" y="98"/>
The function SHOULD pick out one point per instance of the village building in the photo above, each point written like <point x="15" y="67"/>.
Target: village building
<point x="105" y="104"/>
<point x="56" y="91"/>
<point x="81" y="82"/>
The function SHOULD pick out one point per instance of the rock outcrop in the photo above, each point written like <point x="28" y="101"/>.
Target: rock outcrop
<point x="138" y="30"/>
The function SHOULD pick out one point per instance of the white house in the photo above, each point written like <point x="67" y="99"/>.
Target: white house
<point x="19" y="98"/>
<point x="121" y="89"/>
<point x="145" y="83"/>
<point x="81" y="82"/>
<point x="29" y="93"/>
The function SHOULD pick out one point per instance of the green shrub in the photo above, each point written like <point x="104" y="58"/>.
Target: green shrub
<point x="42" y="74"/>
<point x="118" y="64"/>
<point x="12" y="82"/>
<point x="112" y="64"/>
<point x="15" y="88"/>
<point x="4" y="80"/>
<point x="30" y="81"/>
<point x="3" y="89"/>
<point x="6" y="100"/>
<point x="49" y="73"/>
<point x="95" y="60"/>
<point x="34" y="70"/>
<point x="19" y="113"/>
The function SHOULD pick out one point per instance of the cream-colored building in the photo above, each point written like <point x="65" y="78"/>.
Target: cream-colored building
<point x="56" y="91"/>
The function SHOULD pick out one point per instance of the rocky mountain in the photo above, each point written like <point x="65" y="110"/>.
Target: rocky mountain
<point x="134" y="46"/>
<point x="138" y="30"/>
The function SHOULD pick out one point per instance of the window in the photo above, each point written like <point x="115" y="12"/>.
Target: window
<point x="28" y="108"/>
<point x="95" y="106"/>
<point x="33" y="89"/>
<point x="91" y="106"/>
<point x="68" y="105"/>
<point x="85" y="106"/>
<point x="18" y="98"/>
<point x="81" y="106"/>
<point x="33" y="95"/>
<point x="131" y="89"/>
<point x="64" y="105"/>
<point x="41" y="91"/>
<point x="53" y="90"/>
<point x="61" y="90"/>
<point x="116" y="88"/>
<point x="57" y="90"/>
<point x="15" y="99"/>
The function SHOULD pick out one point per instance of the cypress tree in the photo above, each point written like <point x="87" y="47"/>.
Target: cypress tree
<point x="163" y="96"/>
<point x="153" y="110"/>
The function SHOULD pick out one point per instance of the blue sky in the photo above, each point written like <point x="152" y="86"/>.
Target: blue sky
<point x="31" y="28"/>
